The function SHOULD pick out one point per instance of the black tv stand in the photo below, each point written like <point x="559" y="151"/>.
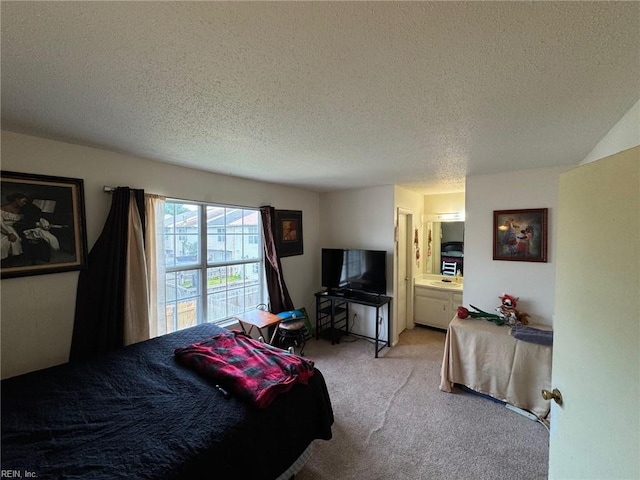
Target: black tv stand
<point x="332" y="314"/>
<point x="354" y="295"/>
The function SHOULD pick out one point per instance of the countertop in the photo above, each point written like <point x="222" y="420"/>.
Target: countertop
<point x="436" y="281"/>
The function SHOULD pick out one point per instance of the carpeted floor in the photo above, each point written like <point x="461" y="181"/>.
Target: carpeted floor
<point x="392" y="422"/>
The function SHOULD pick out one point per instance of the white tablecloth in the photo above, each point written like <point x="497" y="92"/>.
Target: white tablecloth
<point x="486" y="358"/>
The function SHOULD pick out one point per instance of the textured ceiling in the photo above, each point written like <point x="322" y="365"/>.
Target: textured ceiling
<point x="325" y="95"/>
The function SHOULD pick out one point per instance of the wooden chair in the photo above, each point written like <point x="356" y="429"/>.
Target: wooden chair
<point x="449" y="268"/>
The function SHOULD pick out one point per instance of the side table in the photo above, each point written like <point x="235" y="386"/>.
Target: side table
<point x="258" y="319"/>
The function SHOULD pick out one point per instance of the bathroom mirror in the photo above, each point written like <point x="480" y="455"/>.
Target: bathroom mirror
<point x="447" y="244"/>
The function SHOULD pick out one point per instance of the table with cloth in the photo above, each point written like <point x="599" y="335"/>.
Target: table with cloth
<point x="486" y="358"/>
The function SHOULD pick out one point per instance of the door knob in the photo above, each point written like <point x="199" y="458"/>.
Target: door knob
<point x="555" y="395"/>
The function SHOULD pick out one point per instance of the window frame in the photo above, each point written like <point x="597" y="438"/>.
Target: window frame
<point x="202" y="264"/>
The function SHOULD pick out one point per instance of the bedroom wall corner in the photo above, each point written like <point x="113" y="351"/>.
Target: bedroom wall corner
<point x="359" y="218"/>
<point x="485" y="278"/>
<point x="37" y="312"/>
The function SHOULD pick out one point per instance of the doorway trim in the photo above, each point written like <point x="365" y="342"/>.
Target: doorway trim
<point x="408" y="262"/>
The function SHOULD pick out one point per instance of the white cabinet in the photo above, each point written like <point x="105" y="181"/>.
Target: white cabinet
<point x="435" y="307"/>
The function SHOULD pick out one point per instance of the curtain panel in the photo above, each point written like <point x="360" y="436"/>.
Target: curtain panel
<point x="154" y="249"/>
<point x="279" y="298"/>
<point x="112" y="300"/>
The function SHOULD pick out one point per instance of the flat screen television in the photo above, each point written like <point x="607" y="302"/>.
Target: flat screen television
<point x="354" y="270"/>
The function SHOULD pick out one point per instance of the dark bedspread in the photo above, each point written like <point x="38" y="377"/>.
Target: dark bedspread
<point x="138" y="413"/>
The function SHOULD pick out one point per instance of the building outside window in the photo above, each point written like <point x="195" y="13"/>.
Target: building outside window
<point x="213" y="263"/>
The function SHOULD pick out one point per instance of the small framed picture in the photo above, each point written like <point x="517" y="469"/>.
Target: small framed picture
<point x="43" y="224"/>
<point x="520" y="235"/>
<point x="288" y="233"/>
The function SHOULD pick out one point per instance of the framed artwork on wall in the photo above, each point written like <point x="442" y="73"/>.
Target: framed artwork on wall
<point x="520" y="235"/>
<point x="288" y="232"/>
<point x="43" y="224"/>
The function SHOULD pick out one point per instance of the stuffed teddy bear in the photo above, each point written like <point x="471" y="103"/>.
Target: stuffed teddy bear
<point x="507" y="310"/>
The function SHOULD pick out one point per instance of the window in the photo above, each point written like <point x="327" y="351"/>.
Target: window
<point x="213" y="263"/>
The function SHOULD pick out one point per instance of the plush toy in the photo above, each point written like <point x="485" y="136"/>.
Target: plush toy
<point x="508" y="311"/>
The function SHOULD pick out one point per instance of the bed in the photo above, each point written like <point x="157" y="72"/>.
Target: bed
<point x="139" y="413"/>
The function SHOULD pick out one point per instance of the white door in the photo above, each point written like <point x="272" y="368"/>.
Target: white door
<point x="402" y="274"/>
<point x="595" y="434"/>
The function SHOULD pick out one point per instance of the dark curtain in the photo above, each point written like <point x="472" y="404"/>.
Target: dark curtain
<point x="278" y="294"/>
<point x="99" y="317"/>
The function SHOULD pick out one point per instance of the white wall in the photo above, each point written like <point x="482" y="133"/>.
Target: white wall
<point x="444" y="203"/>
<point x="624" y="135"/>
<point x="37" y="311"/>
<point x="485" y="279"/>
<point x="360" y="218"/>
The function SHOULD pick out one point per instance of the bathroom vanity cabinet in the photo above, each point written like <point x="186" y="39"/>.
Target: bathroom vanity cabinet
<point x="435" y="306"/>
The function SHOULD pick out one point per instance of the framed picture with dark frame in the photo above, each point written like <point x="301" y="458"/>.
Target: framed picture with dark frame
<point x="43" y="224"/>
<point x="520" y="235"/>
<point x="288" y="232"/>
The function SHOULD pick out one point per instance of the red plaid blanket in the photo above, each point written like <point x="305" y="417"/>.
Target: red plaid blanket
<point x="251" y="370"/>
